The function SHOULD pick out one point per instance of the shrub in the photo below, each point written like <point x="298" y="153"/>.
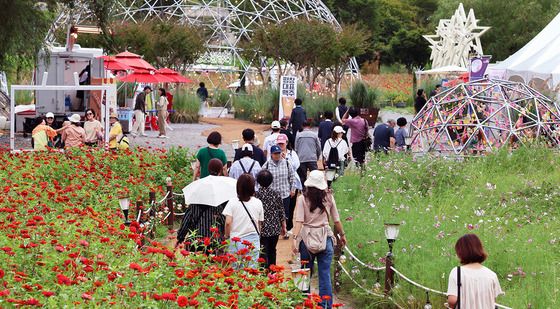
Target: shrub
<point x="186" y="106"/>
<point x="362" y="96"/>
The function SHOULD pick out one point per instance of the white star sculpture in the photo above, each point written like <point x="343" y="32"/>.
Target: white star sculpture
<point x="454" y="38"/>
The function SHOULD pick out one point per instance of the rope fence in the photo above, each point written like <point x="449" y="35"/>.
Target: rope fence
<point x="353" y="257"/>
<point x="389" y="268"/>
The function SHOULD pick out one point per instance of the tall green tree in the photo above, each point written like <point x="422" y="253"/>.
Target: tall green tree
<point x="22" y="32"/>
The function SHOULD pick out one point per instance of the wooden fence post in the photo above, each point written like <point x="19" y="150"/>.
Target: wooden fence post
<point x="389" y="274"/>
<point x="171" y="217"/>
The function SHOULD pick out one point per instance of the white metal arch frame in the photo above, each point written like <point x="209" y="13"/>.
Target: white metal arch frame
<point x="229" y="20"/>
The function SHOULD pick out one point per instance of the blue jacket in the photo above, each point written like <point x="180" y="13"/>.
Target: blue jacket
<point x="297" y="118"/>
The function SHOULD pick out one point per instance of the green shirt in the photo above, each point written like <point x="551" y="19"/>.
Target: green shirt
<point x="206" y="154"/>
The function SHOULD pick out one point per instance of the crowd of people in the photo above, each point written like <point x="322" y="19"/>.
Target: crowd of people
<point x="284" y="191"/>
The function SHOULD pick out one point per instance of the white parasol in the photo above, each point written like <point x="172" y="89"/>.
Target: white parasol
<point x="210" y="190"/>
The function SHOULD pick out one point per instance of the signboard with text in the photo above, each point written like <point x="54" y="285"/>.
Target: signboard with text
<point x="288" y="93"/>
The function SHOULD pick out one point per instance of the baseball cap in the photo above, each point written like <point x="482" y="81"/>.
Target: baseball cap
<point x="247" y="147"/>
<point x="275" y="149"/>
<point x="282" y="139"/>
<point x="338" y="129"/>
<point x="49" y="115"/>
<point x="275" y="124"/>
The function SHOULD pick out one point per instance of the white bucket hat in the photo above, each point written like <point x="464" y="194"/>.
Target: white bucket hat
<point x="75" y="118"/>
<point x="316" y="179"/>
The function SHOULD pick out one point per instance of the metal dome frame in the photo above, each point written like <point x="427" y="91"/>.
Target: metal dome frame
<point x="229" y="21"/>
<point x="480" y="116"/>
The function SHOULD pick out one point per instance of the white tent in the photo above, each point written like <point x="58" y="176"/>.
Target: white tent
<point x="538" y="62"/>
<point x="443" y="70"/>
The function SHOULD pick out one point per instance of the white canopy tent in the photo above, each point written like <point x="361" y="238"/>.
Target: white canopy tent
<point x="443" y="70"/>
<point x="537" y="63"/>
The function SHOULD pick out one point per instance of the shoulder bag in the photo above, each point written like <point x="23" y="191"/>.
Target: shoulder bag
<point x="251" y="217"/>
<point x="315" y="238"/>
<point x="367" y="139"/>
<point x="458" y="304"/>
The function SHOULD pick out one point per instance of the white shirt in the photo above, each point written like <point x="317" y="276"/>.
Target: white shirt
<point x="293" y="158"/>
<point x="269" y="141"/>
<point x="241" y="224"/>
<point x="479" y="287"/>
<point x="340" y="144"/>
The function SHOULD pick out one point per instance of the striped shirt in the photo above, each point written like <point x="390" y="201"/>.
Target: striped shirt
<point x="199" y="219"/>
<point x="283" y="173"/>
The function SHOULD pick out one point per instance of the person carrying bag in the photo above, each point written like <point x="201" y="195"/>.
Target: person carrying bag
<point x="313" y="237"/>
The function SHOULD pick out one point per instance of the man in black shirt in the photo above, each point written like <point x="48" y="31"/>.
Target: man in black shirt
<point x="284" y="130"/>
<point x="249" y="138"/>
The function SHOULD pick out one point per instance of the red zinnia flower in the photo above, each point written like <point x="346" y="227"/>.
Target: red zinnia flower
<point x="182" y="301"/>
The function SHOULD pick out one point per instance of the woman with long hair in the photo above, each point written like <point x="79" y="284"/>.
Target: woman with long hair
<point x="162" y="112"/>
<point x="244" y="217"/>
<point x="472" y="285"/>
<point x="313" y="236"/>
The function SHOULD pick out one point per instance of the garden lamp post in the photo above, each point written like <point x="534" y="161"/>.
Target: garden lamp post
<point x="391" y="234"/>
<point x="428" y="305"/>
<point x="124" y="203"/>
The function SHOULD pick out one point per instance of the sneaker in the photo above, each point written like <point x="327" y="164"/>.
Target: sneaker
<point x="163" y="136"/>
<point x="144" y="135"/>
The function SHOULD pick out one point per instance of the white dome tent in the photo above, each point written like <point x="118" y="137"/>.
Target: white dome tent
<point x="537" y="63"/>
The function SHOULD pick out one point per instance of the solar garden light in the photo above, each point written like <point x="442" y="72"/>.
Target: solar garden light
<point x="124" y="203"/>
<point x="428" y="305"/>
<point x="391" y="234"/>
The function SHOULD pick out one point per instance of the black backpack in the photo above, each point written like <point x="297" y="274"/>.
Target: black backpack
<point x="333" y="160"/>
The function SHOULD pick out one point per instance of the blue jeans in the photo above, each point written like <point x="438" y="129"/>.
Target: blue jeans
<point x="324" y="260"/>
<point x="234" y="247"/>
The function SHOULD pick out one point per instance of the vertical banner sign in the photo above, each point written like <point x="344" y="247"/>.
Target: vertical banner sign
<point x="288" y="93"/>
<point x="478" y="67"/>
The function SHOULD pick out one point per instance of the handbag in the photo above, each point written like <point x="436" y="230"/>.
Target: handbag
<point x="251" y="217"/>
<point x="367" y="139"/>
<point x="315" y="238"/>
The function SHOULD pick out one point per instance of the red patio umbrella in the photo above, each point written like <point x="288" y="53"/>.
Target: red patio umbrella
<point x="145" y="77"/>
<point x="173" y="75"/>
<point x="113" y="64"/>
<point x="134" y="61"/>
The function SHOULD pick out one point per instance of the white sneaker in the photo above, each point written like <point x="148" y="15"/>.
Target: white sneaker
<point x="163" y="136"/>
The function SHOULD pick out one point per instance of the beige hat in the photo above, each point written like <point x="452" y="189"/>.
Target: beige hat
<point x="75" y="118"/>
<point x="316" y="179"/>
<point x="275" y="124"/>
<point x="114" y="115"/>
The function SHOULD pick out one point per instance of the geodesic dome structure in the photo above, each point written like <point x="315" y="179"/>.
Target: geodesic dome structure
<point x="229" y="22"/>
<point x="480" y="116"/>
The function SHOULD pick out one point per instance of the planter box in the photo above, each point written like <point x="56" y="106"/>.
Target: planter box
<point x="370" y="114"/>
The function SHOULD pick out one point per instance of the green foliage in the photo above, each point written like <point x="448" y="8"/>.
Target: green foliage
<point x="362" y="96"/>
<point x="508" y="199"/>
<point x="511" y="28"/>
<point x="24" y="26"/>
<point x="316" y="106"/>
<point x="179" y="159"/>
<point x="186" y="106"/>
<point x="165" y="44"/>
<point x="24" y="97"/>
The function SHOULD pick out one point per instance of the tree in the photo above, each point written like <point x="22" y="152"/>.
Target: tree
<point x="165" y="44"/>
<point x="410" y="48"/>
<point x="24" y="26"/>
